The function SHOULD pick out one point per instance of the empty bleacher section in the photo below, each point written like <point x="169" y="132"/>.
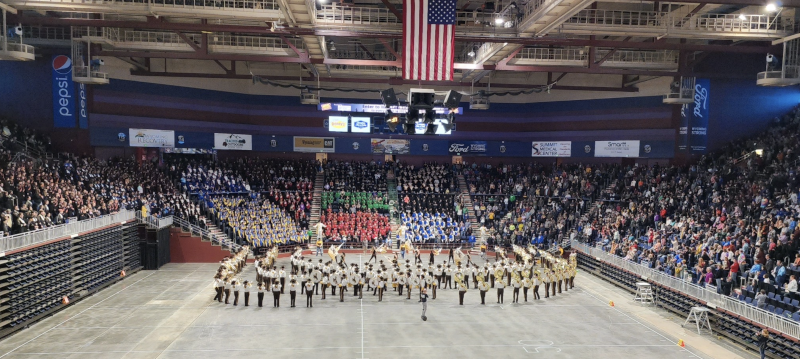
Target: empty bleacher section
<point x="39" y="269"/>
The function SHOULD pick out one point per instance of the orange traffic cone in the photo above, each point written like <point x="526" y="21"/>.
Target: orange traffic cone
<point x="122" y="274"/>
<point x="611" y="303"/>
<point x="681" y="343"/>
<point x="65" y="300"/>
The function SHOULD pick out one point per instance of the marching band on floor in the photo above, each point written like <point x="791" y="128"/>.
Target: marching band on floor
<point x="529" y="270"/>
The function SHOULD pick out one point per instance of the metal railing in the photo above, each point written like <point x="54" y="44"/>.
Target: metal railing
<point x="16" y="47"/>
<point x="731" y="23"/>
<point x="251" y="42"/>
<point x="220" y="240"/>
<point x="154" y="221"/>
<point x="32" y="238"/>
<point x="85" y="71"/>
<point x="720" y="301"/>
<point x="361" y="55"/>
<point x="667" y="57"/>
<point x="555" y="55"/>
<point x="355" y="15"/>
<point x="46" y="32"/>
<point x="233" y="5"/>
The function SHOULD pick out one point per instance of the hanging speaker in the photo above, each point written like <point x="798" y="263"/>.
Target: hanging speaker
<point x="389" y="98"/>
<point x="452" y="100"/>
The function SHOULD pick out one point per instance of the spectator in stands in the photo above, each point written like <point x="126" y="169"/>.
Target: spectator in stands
<point x="791" y="286"/>
<point x="761" y="299"/>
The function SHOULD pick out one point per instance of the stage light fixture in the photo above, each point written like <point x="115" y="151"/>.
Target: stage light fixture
<point x="499" y="21"/>
<point x="389" y="98"/>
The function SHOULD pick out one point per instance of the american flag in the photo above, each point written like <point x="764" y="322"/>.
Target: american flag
<point x="428" y="39"/>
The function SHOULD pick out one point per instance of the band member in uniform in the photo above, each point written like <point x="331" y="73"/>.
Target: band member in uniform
<point x="432" y="284"/>
<point x="282" y="276"/>
<point x="559" y="278"/>
<point x="246" y="290"/>
<point x="303" y="280"/>
<point x="260" y="295"/>
<point x="401" y="283"/>
<point x="325" y="283"/>
<point x="500" y="285"/>
<point x="462" y="290"/>
<point x="235" y="287"/>
<point x="474" y="272"/>
<point x="218" y="287"/>
<point x="483" y="287"/>
<point x="276" y="294"/>
<point x="491" y="275"/>
<point x="417" y="258"/>
<point x="546" y="280"/>
<point x="342" y="285"/>
<point x="526" y="284"/>
<point x="293" y="285"/>
<point x="553" y="282"/>
<point x="227" y="285"/>
<point x="408" y="284"/>
<point x="309" y="293"/>
<point x="536" y="282"/>
<point x="381" y="287"/>
<point x="439" y="275"/>
<point x="516" y="284"/>
<point x="450" y="256"/>
<point x="430" y="259"/>
<point x="448" y="276"/>
<point x="374" y="254"/>
<point x="572" y="272"/>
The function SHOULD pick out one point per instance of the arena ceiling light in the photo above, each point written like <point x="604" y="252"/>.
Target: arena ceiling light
<point x="742" y="17"/>
<point x="771" y="7"/>
<point x="499" y="21"/>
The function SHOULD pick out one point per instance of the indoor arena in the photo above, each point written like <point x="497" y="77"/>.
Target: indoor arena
<point x="399" y="179"/>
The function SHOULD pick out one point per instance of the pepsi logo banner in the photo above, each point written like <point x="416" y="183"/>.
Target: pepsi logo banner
<point x="232" y="141"/>
<point x="63" y="92"/>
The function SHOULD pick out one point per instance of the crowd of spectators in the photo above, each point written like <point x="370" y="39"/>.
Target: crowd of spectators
<point x="430" y="178"/>
<point x="731" y="215"/>
<point x="362" y="226"/>
<point x="430" y="203"/>
<point x="296" y="203"/>
<point x="255" y="220"/>
<point x="242" y="174"/>
<point x="37" y="193"/>
<point x="353" y="202"/>
<point x="355" y="176"/>
<point x="425" y="227"/>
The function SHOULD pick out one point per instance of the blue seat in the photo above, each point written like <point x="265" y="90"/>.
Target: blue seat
<point x="796" y="316"/>
<point x="771" y="295"/>
<point x="796" y="303"/>
<point x="787" y="300"/>
<point x="771" y="308"/>
<point x="748" y="300"/>
<point x="778" y="311"/>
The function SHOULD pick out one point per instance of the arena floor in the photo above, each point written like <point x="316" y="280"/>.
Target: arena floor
<point x="169" y="314"/>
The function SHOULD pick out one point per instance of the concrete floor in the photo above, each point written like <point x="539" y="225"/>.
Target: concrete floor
<point x="169" y="314"/>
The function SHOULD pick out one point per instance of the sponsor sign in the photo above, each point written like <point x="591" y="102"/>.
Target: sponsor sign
<point x="63" y="92"/>
<point x="360" y="124"/>
<point x="551" y="149"/>
<point x="232" y="141"/>
<point x="692" y="132"/>
<point x="390" y="146"/>
<point x="376" y="108"/>
<point x="616" y="148"/>
<point x="314" y="144"/>
<point x="337" y="123"/>
<point x="83" y="112"/>
<point x="467" y="147"/>
<point x="151" y="138"/>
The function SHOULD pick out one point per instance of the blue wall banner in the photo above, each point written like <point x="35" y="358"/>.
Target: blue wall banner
<point x="63" y="92"/>
<point x="467" y="147"/>
<point x="698" y="126"/>
<point x="83" y="110"/>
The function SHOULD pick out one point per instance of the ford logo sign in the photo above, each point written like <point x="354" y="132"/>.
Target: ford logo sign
<point x="360" y="124"/>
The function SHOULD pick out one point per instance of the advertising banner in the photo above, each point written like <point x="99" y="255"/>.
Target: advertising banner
<point x="390" y="146"/>
<point x="698" y="124"/>
<point x="337" y="123"/>
<point x="151" y="138"/>
<point x="551" y="149"/>
<point x="467" y="147"/>
<point x="63" y="92"/>
<point x="232" y="141"/>
<point x="314" y="144"/>
<point x="360" y="124"/>
<point x="375" y="108"/>
<point x="616" y="148"/>
<point x="83" y="111"/>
